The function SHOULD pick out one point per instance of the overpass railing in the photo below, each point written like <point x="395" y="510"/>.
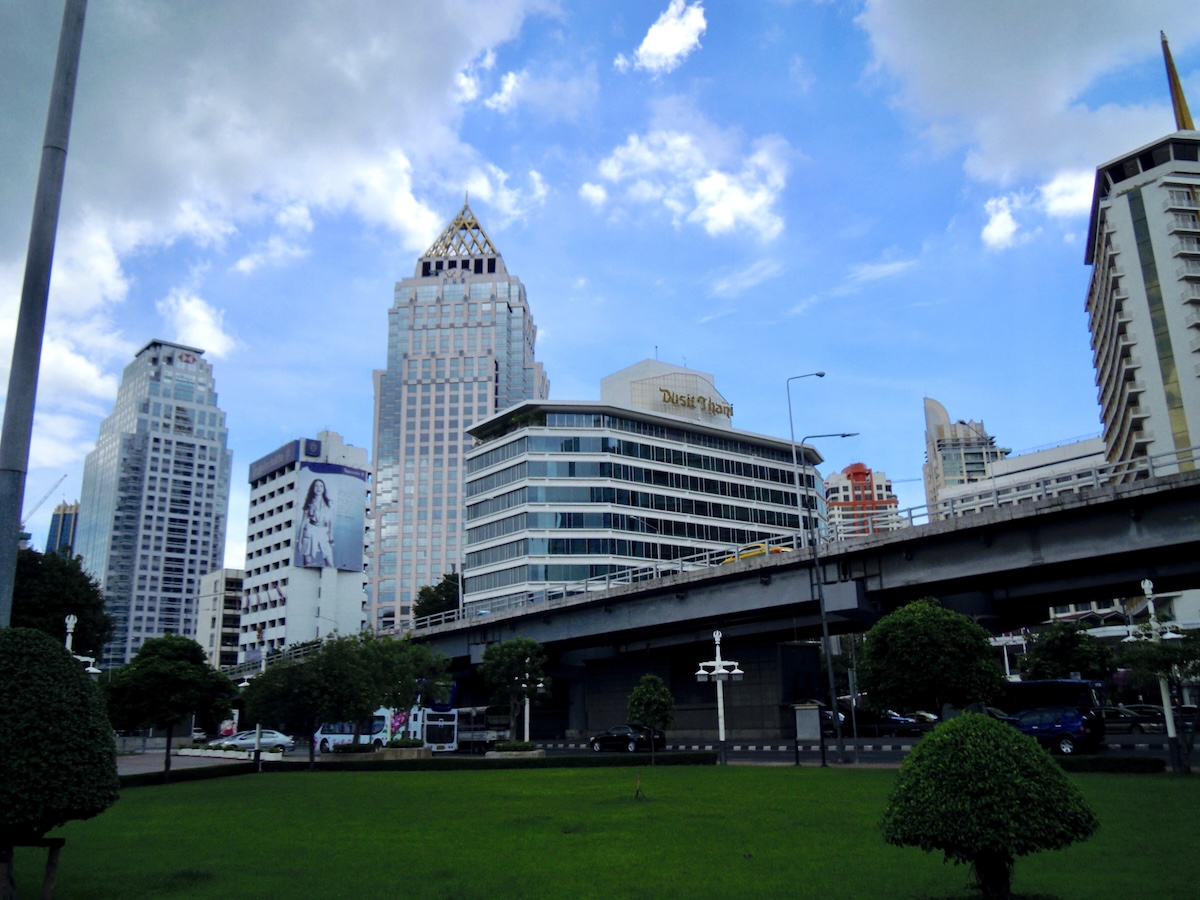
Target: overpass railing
<point x="855" y="527"/>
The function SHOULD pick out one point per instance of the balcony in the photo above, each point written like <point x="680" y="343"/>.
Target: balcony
<point x="1185" y="246"/>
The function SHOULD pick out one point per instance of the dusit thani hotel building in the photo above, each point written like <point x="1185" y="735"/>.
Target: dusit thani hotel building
<point x="559" y="492"/>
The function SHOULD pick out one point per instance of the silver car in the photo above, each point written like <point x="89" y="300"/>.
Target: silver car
<point x="275" y="741"/>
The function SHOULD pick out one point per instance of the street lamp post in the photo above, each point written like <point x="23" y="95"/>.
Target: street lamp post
<point x="71" y="621"/>
<point x="525" y="686"/>
<point x="819" y="585"/>
<point x="720" y="671"/>
<point x="1164" y="688"/>
<point x="792" y="432"/>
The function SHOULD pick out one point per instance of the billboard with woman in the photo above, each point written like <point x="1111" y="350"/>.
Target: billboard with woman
<point x="329" y="529"/>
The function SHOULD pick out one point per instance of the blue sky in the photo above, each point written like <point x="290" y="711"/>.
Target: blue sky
<point x="894" y="193"/>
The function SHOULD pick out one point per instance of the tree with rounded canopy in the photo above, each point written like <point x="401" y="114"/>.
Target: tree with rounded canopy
<point x="652" y="704"/>
<point x="282" y="696"/>
<point x="168" y="680"/>
<point x="924" y="656"/>
<point x="437" y="598"/>
<point x="984" y="794"/>
<point x="1063" y="648"/>
<point x="59" y="760"/>
<point x="51" y="586"/>
<point x="514" y="669"/>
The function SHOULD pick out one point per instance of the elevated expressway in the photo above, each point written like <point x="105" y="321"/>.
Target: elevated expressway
<point x="1003" y="566"/>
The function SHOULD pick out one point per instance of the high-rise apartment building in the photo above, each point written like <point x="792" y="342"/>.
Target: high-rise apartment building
<point x="305" y="545"/>
<point x="561" y="491"/>
<point x="460" y="348"/>
<point x="860" y="501"/>
<point x="63" y="522"/>
<point x="155" y="497"/>
<point x="1143" y="302"/>
<point x="955" y="452"/>
<point x="218" y="615"/>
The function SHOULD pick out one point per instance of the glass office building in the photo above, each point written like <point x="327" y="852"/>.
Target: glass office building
<point x="460" y="347"/>
<point x="155" y="497"/>
<point x="560" y="492"/>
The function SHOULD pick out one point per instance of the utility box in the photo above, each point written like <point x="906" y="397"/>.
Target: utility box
<point x="808" y="721"/>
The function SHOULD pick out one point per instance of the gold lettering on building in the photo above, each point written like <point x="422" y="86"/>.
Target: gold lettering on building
<point x="692" y="401"/>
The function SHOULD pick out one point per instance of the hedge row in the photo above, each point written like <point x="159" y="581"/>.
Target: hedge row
<point x="1130" y="765"/>
<point x="198" y="773"/>
<point x="456" y="763"/>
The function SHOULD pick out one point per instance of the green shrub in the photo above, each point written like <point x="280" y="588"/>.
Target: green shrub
<point x="515" y="746"/>
<point x="354" y="748"/>
<point x="984" y="794"/>
<point x="59" y="759"/>
<point x="406" y="743"/>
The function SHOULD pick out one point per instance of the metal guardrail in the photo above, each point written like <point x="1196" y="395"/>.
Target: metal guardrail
<point x="568" y="593"/>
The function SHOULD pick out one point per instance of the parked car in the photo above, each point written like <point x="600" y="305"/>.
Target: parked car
<point x="868" y="723"/>
<point x="1122" y="720"/>
<point x="630" y="737"/>
<point x="1185" y="716"/>
<point x="199" y="734"/>
<point x="999" y="715"/>
<point x="275" y="741"/>
<point x="1064" y="729"/>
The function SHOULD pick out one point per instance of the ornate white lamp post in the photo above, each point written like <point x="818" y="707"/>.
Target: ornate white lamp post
<point x="720" y="671"/>
<point x="73" y="620"/>
<point x="525" y="685"/>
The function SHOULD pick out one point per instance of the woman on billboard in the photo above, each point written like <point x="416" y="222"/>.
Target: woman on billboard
<point x="316" y="530"/>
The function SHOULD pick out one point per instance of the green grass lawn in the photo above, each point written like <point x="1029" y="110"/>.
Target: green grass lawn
<point x="579" y="833"/>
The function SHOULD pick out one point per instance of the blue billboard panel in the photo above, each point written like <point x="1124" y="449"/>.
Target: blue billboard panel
<point x="329" y="531"/>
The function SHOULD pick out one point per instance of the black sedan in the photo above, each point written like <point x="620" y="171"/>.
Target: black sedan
<point x="629" y="738"/>
<point x="1119" y="720"/>
<point x="868" y="723"/>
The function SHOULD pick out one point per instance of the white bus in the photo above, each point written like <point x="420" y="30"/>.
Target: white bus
<point x="482" y="726"/>
<point x="437" y="729"/>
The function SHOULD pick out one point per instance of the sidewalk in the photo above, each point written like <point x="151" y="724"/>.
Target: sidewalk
<point x="152" y="761"/>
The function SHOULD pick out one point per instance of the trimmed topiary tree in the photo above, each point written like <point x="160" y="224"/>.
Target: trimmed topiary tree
<point x="984" y="794"/>
<point x="59" y="760"/>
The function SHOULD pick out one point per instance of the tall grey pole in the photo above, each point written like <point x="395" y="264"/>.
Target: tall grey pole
<point x="31" y="320"/>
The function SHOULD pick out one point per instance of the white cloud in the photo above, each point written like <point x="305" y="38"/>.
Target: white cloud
<point x="1000" y="232"/>
<point x="274" y="251"/>
<point x="1009" y="82"/>
<point x="737" y="283"/>
<point x="682" y="172"/>
<point x="595" y="194"/>
<point x="1068" y="194"/>
<point x="877" y="271"/>
<point x="799" y="75"/>
<point x="726" y="202"/>
<point x="670" y="39"/>
<point x="490" y="184"/>
<point x="510" y="91"/>
<point x="194" y="322"/>
<point x="294" y="217"/>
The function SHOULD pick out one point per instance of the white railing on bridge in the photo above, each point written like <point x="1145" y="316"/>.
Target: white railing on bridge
<point x="569" y="593"/>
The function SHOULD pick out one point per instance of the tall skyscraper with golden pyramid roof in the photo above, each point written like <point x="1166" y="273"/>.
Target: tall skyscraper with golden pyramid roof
<point x="460" y="348"/>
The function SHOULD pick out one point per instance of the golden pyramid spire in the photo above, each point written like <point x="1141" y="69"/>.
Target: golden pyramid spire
<point x="1183" y="118"/>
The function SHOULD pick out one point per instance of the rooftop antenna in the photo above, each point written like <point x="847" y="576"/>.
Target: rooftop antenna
<point x="1183" y="117"/>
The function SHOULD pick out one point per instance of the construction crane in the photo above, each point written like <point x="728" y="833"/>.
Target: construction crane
<point x="41" y="500"/>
